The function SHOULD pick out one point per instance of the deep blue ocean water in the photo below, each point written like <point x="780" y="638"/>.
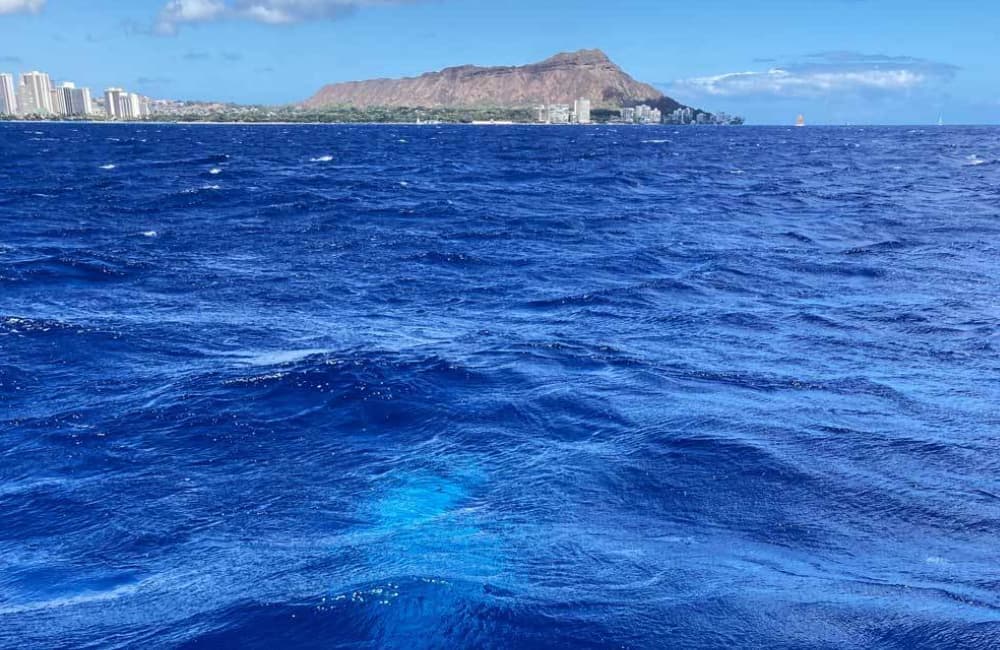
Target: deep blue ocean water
<point x="499" y="387"/>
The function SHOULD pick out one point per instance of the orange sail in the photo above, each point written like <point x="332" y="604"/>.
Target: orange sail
<point x="801" y="121"/>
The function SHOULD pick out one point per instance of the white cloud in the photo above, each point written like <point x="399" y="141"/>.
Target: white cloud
<point x="21" y="6"/>
<point x="784" y="82"/>
<point x="825" y="74"/>
<point x="188" y="11"/>
<point x="271" y="12"/>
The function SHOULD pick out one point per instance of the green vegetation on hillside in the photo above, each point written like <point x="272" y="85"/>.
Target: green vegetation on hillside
<point x="351" y="115"/>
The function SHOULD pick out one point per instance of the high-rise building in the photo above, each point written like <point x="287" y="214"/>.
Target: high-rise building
<point x="87" y="101"/>
<point x="36" y="94"/>
<point x="135" y="106"/>
<point x="58" y="101"/>
<point x="581" y="109"/>
<point x="124" y="108"/>
<point x="75" y="100"/>
<point x="113" y="103"/>
<point x="8" y="97"/>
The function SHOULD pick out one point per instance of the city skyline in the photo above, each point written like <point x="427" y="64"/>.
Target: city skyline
<point x="33" y="94"/>
<point x="862" y="67"/>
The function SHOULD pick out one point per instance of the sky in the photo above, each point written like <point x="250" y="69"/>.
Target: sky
<point x="835" y="61"/>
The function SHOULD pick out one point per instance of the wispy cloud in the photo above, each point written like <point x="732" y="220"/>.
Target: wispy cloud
<point x="272" y="12"/>
<point x="823" y="74"/>
<point x="196" y="55"/>
<point x="21" y="6"/>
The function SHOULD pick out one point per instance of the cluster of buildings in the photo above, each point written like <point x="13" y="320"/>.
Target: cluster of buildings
<point x="578" y="113"/>
<point x="688" y="115"/>
<point x="121" y="105"/>
<point x="642" y="114"/>
<point x="685" y="115"/>
<point x="35" y="95"/>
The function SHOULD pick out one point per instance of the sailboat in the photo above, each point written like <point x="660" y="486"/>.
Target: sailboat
<point x="941" y="120"/>
<point x="801" y="121"/>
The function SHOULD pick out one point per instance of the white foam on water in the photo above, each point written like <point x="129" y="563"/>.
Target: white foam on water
<point x="322" y="159"/>
<point x="108" y="166"/>
<point x="276" y="357"/>
<point x="71" y="600"/>
<point x="655" y="141"/>
<point x="150" y="233"/>
<point x="214" y="171"/>
<point x="974" y="161"/>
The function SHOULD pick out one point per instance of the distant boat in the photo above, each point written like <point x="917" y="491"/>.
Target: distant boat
<point x="801" y="121"/>
<point x="941" y="120"/>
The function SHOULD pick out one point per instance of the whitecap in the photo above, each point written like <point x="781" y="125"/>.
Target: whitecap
<point x="150" y="233"/>
<point x="974" y="161"/>
<point x="108" y="166"/>
<point x="655" y="141"/>
<point x="322" y="159"/>
<point x="276" y="357"/>
<point x="71" y="600"/>
<point x="214" y="171"/>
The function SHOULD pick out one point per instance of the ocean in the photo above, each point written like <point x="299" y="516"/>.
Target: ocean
<point x="499" y="387"/>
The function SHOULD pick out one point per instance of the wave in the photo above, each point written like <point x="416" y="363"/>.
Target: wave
<point x="975" y="161"/>
<point x="77" y="266"/>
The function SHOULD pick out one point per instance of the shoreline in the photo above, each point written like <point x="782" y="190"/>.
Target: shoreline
<point x="490" y="124"/>
<point x="304" y="123"/>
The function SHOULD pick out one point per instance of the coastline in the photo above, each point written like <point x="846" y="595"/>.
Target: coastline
<point x="332" y="123"/>
<point x="279" y="123"/>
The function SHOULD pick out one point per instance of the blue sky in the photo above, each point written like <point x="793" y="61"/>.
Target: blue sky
<point x="837" y="61"/>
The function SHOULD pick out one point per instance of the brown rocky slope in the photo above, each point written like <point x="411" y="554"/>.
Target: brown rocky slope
<point x="560" y="79"/>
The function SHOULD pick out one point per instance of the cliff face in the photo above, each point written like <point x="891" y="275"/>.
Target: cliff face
<point x="560" y="79"/>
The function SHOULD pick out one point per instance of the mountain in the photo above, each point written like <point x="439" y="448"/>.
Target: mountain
<point x="560" y="79"/>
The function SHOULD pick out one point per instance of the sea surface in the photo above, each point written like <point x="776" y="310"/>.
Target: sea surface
<point x="499" y="387"/>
